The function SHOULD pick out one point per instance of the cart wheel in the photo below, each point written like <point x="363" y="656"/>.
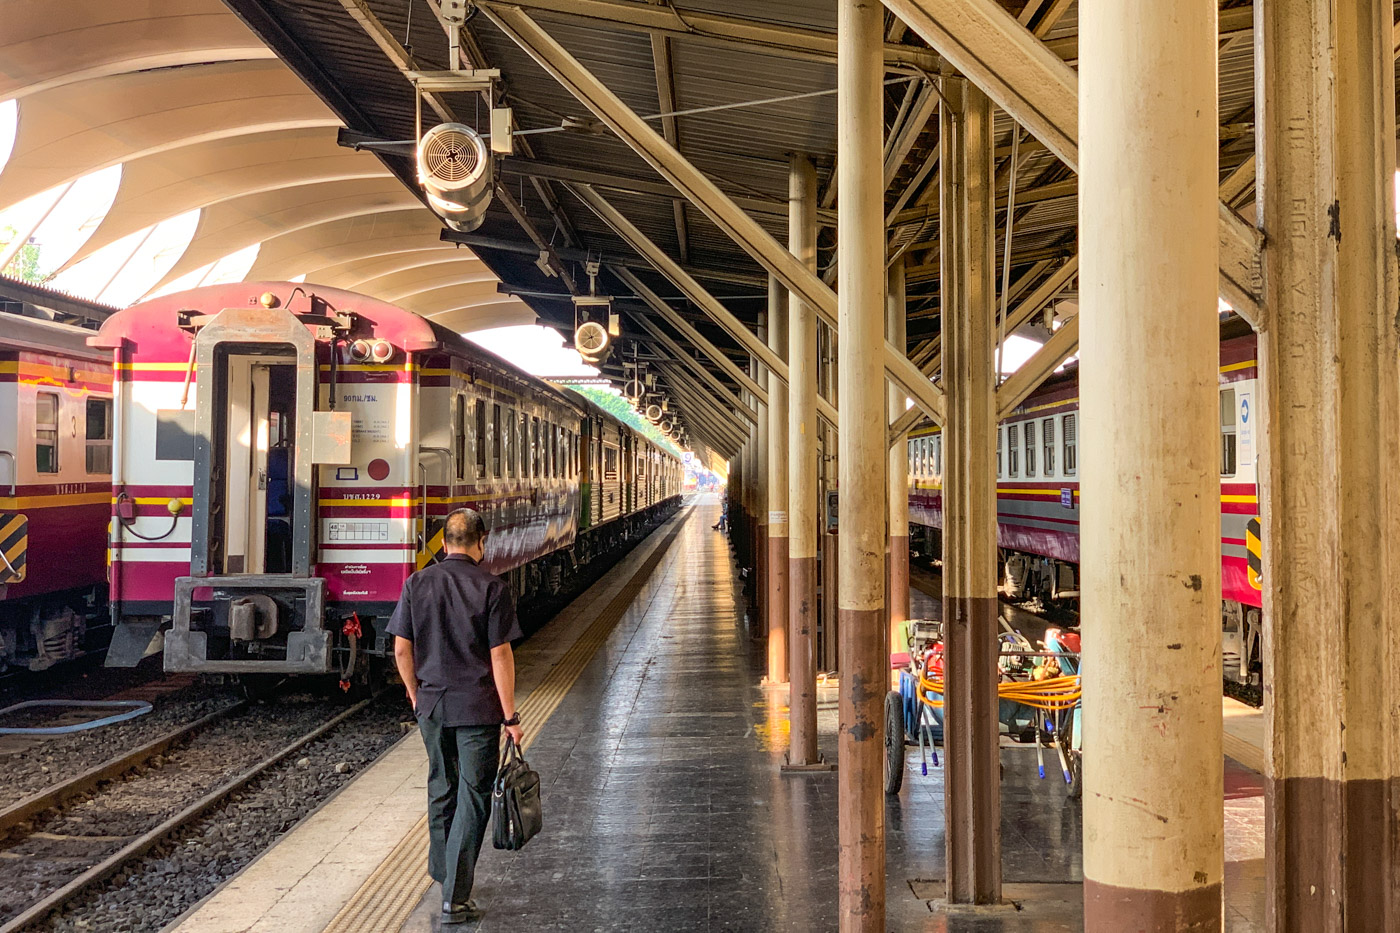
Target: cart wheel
<point x="894" y="742"/>
<point x="1076" y="773"/>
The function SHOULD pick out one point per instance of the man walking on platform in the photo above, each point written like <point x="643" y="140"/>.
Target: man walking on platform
<point x="453" y="629"/>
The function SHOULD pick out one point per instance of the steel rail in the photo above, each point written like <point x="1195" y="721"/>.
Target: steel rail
<point x="56" y="795"/>
<point x="147" y="840"/>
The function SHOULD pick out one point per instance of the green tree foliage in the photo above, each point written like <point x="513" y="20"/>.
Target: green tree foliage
<point x="622" y="410"/>
<point x="25" y="264"/>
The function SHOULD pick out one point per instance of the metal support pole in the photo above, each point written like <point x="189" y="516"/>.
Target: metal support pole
<point x="972" y="795"/>
<point x="864" y="453"/>
<point x="1149" y="411"/>
<point x="803" y="501"/>
<point x="776" y="557"/>
<point x="897" y="586"/>
<point x="1327" y="483"/>
<point x="761" y="474"/>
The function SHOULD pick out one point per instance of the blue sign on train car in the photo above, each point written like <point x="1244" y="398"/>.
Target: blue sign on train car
<point x="1067" y="497"/>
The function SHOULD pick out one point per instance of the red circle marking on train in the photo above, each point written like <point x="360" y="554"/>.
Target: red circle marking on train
<point x="378" y="470"/>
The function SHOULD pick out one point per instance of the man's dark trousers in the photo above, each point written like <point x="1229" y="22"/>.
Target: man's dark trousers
<point x="462" y="763"/>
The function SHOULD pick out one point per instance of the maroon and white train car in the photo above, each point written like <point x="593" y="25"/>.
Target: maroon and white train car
<point x="55" y="489"/>
<point x="286" y="456"/>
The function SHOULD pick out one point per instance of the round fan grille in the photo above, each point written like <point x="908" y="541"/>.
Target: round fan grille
<point x="450" y="155"/>
<point x="653" y="413"/>
<point x="590" y="337"/>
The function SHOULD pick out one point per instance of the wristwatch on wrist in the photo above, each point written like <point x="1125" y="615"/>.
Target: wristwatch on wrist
<point x="512" y="721"/>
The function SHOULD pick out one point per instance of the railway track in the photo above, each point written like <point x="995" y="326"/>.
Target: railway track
<point x="57" y="844"/>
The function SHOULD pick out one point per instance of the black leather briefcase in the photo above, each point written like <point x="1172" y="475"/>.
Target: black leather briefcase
<point x="515" y="801"/>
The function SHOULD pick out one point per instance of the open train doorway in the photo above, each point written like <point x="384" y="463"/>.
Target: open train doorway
<point x="252" y="463"/>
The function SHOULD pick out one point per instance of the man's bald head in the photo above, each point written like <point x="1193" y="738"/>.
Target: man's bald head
<point x="465" y="529"/>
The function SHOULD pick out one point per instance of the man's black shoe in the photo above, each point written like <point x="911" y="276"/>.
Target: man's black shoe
<point x="453" y="914"/>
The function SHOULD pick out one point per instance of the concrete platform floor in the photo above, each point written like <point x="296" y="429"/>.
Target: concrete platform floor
<point x="665" y="808"/>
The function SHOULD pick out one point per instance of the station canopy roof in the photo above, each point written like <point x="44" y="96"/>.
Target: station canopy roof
<point x="284" y="130"/>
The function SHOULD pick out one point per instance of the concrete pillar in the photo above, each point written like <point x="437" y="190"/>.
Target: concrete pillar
<point x="803" y="504"/>
<point x="830" y="653"/>
<point x="897" y="578"/>
<point x="865" y="670"/>
<point x="972" y="782"/>
<point x="776" y="563"/>
<point x="1149" y="413"/>
<point x="1328" y="491"/>
<point x="759" y="555"/>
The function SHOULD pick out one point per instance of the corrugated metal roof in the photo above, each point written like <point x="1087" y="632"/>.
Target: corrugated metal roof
<point x="743" y="148"/>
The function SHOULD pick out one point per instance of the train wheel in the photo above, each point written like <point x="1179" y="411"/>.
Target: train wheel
<point x="1076" y="773"/>
<point x="894" y="742"/>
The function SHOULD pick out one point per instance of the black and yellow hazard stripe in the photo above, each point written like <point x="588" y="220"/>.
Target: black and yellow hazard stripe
<point x="14" y="545"/>
<point x="432" y="553"/>
<point x="1253" y="543"/>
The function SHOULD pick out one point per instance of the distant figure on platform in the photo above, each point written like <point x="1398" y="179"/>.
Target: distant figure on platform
<point x="452" y="632"/>
<point x="723" y="523"/>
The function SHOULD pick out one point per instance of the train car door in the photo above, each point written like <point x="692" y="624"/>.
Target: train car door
<point x="253" y="450"/>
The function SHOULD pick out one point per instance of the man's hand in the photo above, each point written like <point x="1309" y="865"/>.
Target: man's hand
<point x="516" y="733"/>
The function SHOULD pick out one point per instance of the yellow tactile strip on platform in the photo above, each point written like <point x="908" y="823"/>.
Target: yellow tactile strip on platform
<point x="384" y="902"/>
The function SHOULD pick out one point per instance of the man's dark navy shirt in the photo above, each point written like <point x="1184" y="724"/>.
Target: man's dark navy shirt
<point x="455" y="612"/>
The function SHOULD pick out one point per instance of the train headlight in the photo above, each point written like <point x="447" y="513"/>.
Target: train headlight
<point x="382" y="351"/>
<point x="360" y="351"/>
<point x="174" y="507"/>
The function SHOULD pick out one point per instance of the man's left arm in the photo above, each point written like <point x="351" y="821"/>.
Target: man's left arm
<point x="502" y="629"/>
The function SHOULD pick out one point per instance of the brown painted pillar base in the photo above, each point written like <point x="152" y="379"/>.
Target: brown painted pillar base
<point x="897" y="590"/>
<point x="1196" y="910"/>
<point x="861" y="757"/>
<point x="830" y="649"/>
<point x="776" y="611"/>
<point x="802" y="674"/>
<point x="972" y="774"/>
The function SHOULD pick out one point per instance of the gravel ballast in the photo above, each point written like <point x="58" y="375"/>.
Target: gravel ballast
<point x="157" y="887"/>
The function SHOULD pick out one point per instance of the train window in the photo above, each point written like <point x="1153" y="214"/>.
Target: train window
<point x="1228" y="450"/>
<point x="1047" y="440"/>
<point x="459" y="435"/>
<point x="535" y="447"/>
<point x="496" y="441"/>
<point x="609" y="463"/>
<point x="480" y="439"/>
<point x="911" y="449"/>
<point x="46" y="432"/>
<point x="1013" y="452"/>
<point x="524" y="445"/>
<point x="508" y="430"/>
<point x="1029" y="428"/>
<point x="99" y="435"/>
<point x="1071" y="446"/>
<point x="999" y="450"/>
<point x="938" y="455"/>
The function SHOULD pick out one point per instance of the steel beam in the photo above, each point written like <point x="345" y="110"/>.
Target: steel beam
<point x="703" y="26"/>
<point x="1149" y="422"/>
<point x="803" y="504"/>
<point x="716" y="387"/>
<point x="697" y="340"/>
<point x="702" y="192"/>
<point x="864" y="655"/>
<point x="701" y="298"/>
<point x="1062" y="344"/>
<point x="972" y="795"/>
<point x="1327" y="480"/>
<point x="1034" y="85"/>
